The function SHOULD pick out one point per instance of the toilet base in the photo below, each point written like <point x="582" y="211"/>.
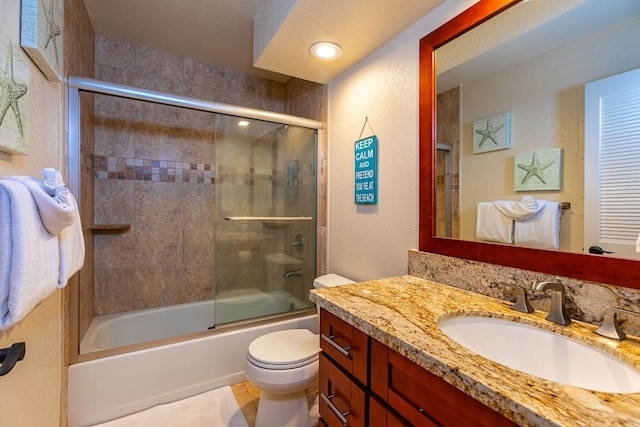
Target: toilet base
<point x="283" y="410"/>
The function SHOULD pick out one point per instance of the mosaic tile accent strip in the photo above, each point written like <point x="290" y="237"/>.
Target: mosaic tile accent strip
<point x="124" y="168"/>
<point x="153" y="170"/>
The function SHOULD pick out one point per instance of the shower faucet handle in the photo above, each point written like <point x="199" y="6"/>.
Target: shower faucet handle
<point x="298" y="243"/>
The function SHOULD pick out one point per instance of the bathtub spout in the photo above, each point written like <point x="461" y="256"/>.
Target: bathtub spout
<point x="297" y="272"/>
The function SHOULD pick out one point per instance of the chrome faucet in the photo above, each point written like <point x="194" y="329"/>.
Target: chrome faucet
<point x="610" y="328"/>
<point x="297" y="272"/>
<point x="558" y="312"/>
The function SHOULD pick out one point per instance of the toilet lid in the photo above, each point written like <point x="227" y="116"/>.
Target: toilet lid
<point x="288" y="349"/>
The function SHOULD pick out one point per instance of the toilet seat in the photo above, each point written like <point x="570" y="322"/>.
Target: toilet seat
<point x="288" y="349"/>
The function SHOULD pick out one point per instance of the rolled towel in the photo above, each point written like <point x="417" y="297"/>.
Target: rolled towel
<point x="492" y="225"/>
<point x="55" y="186"/>
<point x="33" y="255"/>
<point x="56" y="212"/>
<point x="541" y="230"/>
<point x="519" y="211"/>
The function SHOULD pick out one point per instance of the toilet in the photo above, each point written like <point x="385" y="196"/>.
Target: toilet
<point x="284" y="366"/>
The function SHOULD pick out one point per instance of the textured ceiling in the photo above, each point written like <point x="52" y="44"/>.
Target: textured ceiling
<point x="222" y="31"/>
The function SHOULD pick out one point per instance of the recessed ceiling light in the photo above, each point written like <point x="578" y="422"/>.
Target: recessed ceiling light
<point x="243" y="123"/>
<point x="326" y="51"/>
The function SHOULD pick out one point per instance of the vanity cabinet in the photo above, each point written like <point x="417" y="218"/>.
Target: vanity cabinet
<point x="344" y="364"/>
<point x="365" y="383"/>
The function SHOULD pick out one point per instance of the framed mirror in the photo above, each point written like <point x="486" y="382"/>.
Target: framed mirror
<point x="609" y="270"/>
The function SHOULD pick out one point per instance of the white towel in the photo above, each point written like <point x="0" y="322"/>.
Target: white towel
<point x="55" y="209"/>
<point x="5" y="251"/>
<point x="55" y="187"/>
<point x="518" y="211"/>
<point x="59" y="214"/>
<point x="638" y="244"/>
<point x="541" y="230"/>
<point x="492" y="225"/>
<point x="31" y="273"/>
<point x="71" y="243"/>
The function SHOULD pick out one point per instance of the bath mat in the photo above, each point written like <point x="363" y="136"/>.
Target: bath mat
<point x="216" y="408"/>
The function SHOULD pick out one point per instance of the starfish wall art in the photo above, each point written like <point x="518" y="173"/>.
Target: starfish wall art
<point x="14" y="98"/>
<point x="492" y="133"/>
<point x="41" y="35"/>
<point x="538" y="170"/>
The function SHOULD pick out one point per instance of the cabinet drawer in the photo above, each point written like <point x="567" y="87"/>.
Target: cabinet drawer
<point x="422" y="397"/>
<point x="342" y="401"/>
<point x="346" y="345"/>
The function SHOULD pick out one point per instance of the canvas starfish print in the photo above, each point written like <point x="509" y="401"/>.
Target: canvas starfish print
<point x="492" y="133"/>
<point x="14" y="98"/>
<point x="538" y="170"/>
<point x="41" y="35"/>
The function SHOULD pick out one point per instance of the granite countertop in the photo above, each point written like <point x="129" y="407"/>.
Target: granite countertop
<point x="402" y="312"/>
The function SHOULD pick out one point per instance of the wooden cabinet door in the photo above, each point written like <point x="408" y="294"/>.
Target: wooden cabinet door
<point x="346" y="345"/>
<point x="423" y="398"/>
<point x="342" y="401"/>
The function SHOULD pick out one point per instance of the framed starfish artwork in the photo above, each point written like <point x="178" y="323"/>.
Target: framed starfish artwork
<point x="538" y="170"/>
<point x="15" y="74"/>
<point x="492" y="133"/>
<point x="41" y="35"/>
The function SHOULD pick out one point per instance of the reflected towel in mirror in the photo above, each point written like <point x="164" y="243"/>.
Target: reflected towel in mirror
<point x="492" y="225"/>
<point x="519" y="211"/>
<point x="541" y="230"/>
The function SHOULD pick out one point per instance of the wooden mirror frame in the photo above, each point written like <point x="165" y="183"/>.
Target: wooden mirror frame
<point x="595" y="268"/>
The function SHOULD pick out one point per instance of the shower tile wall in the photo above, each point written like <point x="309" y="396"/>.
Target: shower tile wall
<point x="146" y="176"/>
<point x="157" y="170"/>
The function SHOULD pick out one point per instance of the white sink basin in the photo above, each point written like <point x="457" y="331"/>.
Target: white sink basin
<point x="542" y="353"/>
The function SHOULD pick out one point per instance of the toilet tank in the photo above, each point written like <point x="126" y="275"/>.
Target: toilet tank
<point x="329" y="280"/>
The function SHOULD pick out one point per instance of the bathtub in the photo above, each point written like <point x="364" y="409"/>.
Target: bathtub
<point x="117" y="330"/>
<point x="103" y="389"/>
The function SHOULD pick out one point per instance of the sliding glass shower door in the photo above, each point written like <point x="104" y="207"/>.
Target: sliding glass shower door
<point x="265" y="227"/>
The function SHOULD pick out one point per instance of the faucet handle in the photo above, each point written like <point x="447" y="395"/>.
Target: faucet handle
<point x="610" y="327"/>
<point x="522" y="301"/>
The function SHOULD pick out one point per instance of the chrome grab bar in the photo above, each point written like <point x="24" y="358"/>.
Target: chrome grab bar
<point x="268" y="218"/>
<point x="341" y="415"/>
<point x="343" y="350"/>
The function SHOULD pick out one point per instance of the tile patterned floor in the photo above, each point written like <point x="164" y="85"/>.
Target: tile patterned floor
<point x="247" y="396"/>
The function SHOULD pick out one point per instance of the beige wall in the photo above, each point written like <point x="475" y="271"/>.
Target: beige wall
<point x="31" y="392"/>
<point x="367" y="242"/>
